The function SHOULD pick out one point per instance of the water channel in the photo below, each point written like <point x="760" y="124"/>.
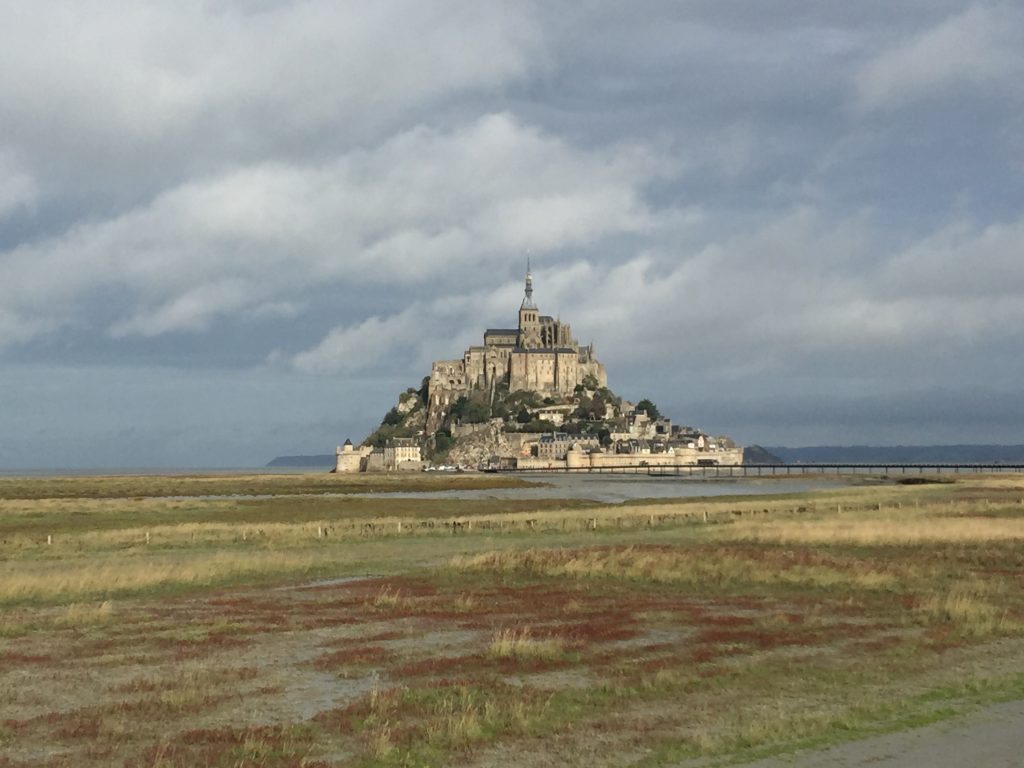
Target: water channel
<point x="615" y="489"/>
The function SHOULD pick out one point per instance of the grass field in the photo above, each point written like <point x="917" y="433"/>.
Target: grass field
<point x="145" y="623"/>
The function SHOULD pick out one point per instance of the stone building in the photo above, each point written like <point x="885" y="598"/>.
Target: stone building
<point x="400" y="453"/>
<point x="540" y="355"/>
<point x="348" y="458"/>
<point x="557" y="444"/>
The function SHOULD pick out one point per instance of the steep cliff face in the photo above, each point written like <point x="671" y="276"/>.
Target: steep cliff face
<point x="478" y="447"/>
<point x="406" y="419"/>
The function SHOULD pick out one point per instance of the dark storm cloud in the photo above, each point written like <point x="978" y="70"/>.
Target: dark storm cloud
<point x="743" y="204"/>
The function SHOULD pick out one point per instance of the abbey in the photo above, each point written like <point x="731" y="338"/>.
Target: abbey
<point x="540" y="356"/>
<point x="529" y="397"/>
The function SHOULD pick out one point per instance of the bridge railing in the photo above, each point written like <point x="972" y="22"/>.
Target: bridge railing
<point x="760" y="470"/>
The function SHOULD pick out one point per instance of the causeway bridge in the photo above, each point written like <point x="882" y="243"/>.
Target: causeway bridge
<point x="768" y="470"/>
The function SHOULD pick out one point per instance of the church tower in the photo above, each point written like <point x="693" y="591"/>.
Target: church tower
<point x="529" y="316"/>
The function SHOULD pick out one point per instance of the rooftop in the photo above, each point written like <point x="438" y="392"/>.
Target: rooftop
<point x="547" y="351"/>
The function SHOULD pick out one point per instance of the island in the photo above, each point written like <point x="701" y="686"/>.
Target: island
<point x="529" y="397"/>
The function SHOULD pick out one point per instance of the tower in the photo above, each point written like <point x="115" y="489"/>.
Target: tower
<point x="529" y="316"/>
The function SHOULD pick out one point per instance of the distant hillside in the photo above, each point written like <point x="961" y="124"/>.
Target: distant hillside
<point x="320" y="460"/>
<point x="901" y="454"/>
<point x="755" y="454"/>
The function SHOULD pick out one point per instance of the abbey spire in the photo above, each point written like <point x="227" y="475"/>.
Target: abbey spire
<point x="528" y="298"/>
<point x="529" y="316"/>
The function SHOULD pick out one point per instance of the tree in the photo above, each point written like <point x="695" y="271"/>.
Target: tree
<point x="393" y="418"/>
<point x="584" y="408"/>
<point x="609" y="397"/>
<point x="474" y="413"/>
<point x="443" y="440"/>
<point x="652" y="410"/>
<point x="590" y="381"/>
<point x="523" y="417"/>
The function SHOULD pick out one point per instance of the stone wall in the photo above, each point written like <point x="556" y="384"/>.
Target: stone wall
<point x="532" y="462"/>
<point x="350" y="459"/>
<point x="685" y="457"/>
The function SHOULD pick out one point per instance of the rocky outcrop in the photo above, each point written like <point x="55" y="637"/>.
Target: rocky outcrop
<point x="478" y="447"/>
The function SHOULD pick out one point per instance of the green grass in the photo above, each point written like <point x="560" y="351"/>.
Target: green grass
<point x="64" y="517"/>
<point x="138" y="486"/>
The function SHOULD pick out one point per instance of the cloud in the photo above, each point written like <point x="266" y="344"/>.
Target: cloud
<point x="131" y="77"/>
<point x="191" y="311"/>
<point x="962" y="260"/>
<point x="979" y="47"/>
<point x="932" y="414"/>
<point x="421" y="203"/>
<point x="411" y="339"/>
<point x="18" y="188"/>
<point x="362" y="346"/>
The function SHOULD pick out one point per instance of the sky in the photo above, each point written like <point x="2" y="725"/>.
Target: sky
<point x="234" y="230"/>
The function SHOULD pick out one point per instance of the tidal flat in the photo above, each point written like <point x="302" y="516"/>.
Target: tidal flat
<point x="311" y="622"/>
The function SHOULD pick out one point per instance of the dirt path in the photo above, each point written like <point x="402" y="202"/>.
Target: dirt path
<point x="990" y="738"/>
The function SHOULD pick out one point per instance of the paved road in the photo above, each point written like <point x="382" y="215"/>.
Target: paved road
<point x="990" y="738"/>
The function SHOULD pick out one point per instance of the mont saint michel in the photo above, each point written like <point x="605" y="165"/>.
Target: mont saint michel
<point x="529" y="397"/>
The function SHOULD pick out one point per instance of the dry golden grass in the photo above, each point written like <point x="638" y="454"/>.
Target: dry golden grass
<point x="387" y="598"/>
<point x="520" y="644"/>
<point x="24" y="580"/>
<point x="457" y="719"/>
<point x="464" y="603"/>
<point x="683" y="566"/>
<point x="874" y="529"/>
<point x="969" y="607"/>
<point x="83" y="614"/>
<point x="378" y="741"/>
<point x="464" y="715"/>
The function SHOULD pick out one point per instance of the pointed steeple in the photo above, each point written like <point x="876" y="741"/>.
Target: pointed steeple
<point x="528" y="298"/>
